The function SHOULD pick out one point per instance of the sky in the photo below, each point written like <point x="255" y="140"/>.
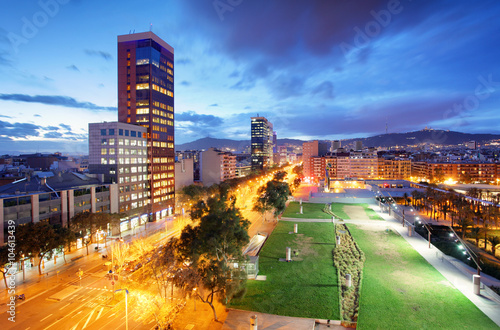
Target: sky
<point x="317" y="69"/>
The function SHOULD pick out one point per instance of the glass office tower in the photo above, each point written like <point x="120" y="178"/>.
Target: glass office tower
<point x="262" y="143"/>
<point x="146" y="98"/>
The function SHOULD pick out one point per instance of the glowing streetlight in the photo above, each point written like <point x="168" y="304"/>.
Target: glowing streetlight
<point x="126" y="306"/>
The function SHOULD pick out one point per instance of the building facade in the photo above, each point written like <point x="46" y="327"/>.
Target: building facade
<point x="146" y="98"/>
<point x="312" y="149"/>
<point x="262" y="143"/>
<point x="118" y="151"/>
<point x="217" y="166"/>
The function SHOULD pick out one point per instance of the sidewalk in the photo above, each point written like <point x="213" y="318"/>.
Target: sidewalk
<point x="486" y="302"/>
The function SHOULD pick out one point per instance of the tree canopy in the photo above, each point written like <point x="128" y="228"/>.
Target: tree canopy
<point x="213" y="247"/>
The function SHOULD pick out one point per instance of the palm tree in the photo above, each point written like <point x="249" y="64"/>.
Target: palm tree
<point x="494" y="241"/>
<point x="475" y="233"/>
<point x="464" y="222"/>
<point x="405" y="196"/>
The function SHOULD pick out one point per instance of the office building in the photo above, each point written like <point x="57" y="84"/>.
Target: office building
<point x="262" y="143"/>
<point x="146" y="98"/>
<point x="118" y="152"/>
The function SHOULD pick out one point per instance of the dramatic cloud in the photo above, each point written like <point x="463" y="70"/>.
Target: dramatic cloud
<point x="105" y="55"/>
<point x="63" y="101"/>
<point x="66" y="127"/>
<point x="73" y="68"/>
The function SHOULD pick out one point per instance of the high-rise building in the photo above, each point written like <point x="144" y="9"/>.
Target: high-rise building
<point x="262" y="143"/>
<point x="146" y="98"/>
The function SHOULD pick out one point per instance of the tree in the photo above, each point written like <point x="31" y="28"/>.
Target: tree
<point x="465" y="221"/>
<point x="64" y="238"/>
<point x="272" y="196"/>
<point x="5" y="263"/>
<point x="475" y="233"/>
<point x="85" y="225"/>
<point x="494" y="241"/>
<point x="211" y="249"/>
<point x="279" y="176"/>
<point x="37" y="240"/>
<point x="298" y="170"/>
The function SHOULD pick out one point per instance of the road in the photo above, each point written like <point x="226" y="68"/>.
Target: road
<point x="64" y="301"/>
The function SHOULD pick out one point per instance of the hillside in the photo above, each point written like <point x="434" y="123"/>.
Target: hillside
<point x="428" y="136"/>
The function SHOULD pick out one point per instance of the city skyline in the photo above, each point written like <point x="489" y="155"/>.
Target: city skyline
<point x="317" y="70"/>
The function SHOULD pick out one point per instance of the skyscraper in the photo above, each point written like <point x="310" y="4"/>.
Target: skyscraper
<point x="262" y="143"/>
<point x="146" y="98"/>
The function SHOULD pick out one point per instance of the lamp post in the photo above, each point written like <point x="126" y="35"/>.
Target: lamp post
<point x="126" y="306"/>
<point x="194" y="297"/>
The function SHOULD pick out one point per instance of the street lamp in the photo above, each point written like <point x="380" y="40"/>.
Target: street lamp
<point x="194" y="297"/>
<point x="126" y="306"/>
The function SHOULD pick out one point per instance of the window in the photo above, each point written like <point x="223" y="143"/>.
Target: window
<point x="111" y="142"/>
<point x="133" y="142"/>
<point x="127" y="142"/>
<point x="104" y="161"/>
<point x="111" y="151"/>
<point x="120" y="142"/>
<point x="103" y="132"/>
<point x="104" y="142"/>
<point x="120" y="151"/>
<point x="126" y="132"/>
<point x="111" y="131"/>
<point x="120" y="132"/>
<point x="133" y="133"/>
<point x="104" y="151"/>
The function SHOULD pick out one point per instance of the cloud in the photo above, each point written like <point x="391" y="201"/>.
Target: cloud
<point x="63" y="101"/>
<point x="324" y="89"/>
<point x="53" y="135"/>
<point x="105" y="55"/>
<point x="36" y="115"/>
<point x="185" y="83"/>
<point x="18" y="130"/>
<point x="199" y="119"/>
<point x="3" y="116"/>
<point x="214" y="105"/>
<point x="73" y="68"/>
<point x="183" y="61"/>
<point x="67" y="127"/>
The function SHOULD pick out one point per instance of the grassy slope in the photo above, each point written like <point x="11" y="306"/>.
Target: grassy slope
<point x="400" y="290"/>
<point x="307" y="288"/>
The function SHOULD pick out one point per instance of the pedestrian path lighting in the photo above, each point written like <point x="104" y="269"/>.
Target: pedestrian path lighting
<point x="126" y="306"/>
<point x="465" y="250"/>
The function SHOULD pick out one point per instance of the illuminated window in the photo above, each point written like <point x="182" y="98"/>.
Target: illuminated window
<point x="111" y="151"/>
<point x="104" y="161"/>
<point x="104" y="151"/>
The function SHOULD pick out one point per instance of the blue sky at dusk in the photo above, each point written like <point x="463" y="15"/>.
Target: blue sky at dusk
<point x="315" y="69"/>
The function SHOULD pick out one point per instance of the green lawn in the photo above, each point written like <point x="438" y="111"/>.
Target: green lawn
<point x="400" y="290"/>
<point x="370" y="213"/>
<point x="309" y="210"/>
<point x="313" y="211"/>
<point x="306" y="287"/>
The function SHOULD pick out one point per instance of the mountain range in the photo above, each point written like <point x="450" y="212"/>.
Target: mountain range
<point x="425" y="136"/>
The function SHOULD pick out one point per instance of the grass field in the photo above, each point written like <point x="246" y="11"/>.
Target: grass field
<point x="400" y="290"/>
<point x="370" y="213"/>
<point x="305" y="287"/>
<point x="313" y="211"/>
